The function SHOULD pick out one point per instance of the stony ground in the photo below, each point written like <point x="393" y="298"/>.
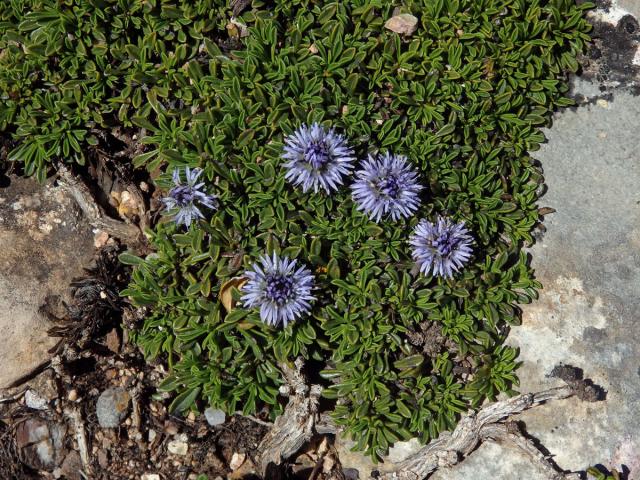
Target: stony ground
<point x="85" y="400"/>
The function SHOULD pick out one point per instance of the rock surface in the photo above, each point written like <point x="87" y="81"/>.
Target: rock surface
<point x="587" y="316"/>
<point x="589" y="264"/>
<point x="44" y="244"/>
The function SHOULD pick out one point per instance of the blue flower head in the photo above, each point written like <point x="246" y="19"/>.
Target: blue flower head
<point x="442" y="247"/>
<point x="317" y="158"/>
<point x="280" y="288"/>
<point x="185" y="198"/>
<point x="386" y="186"/>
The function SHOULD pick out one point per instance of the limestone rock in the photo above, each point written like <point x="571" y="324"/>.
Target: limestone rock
<point x="44" y="244"/>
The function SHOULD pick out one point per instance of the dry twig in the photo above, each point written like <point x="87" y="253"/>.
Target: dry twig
<point x="128" y="233"/>
<point x="300" y="420"/>
<point x="74" y="415"/>
<point x="450" y="448"/>
<point x="294" y="428"/>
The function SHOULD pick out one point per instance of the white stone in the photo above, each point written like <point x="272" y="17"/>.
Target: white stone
<point x="35" y="401"/>
<point x="179" y="445"/>
<point x="237" y="459"/>
<point x="214" y="416"/>
<point x="404" y="24"/>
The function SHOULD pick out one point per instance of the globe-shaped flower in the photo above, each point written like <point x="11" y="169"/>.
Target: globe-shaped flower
<point x="317" y="158"/>
<point x="184" y="198"/>
<point x="442" y="247"/>
<point x="280" y="288"/>
<point x="386" y="186"/>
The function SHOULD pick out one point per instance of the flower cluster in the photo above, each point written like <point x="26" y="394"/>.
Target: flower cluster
<point x="441" y="247"/>
<point x="280" y="288"/>
<point x="386" y="186"/>
<point x="184" y="198"/>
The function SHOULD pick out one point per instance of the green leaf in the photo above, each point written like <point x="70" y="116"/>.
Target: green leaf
<point x="184" y="400"/>
<point x="130" y="259"/>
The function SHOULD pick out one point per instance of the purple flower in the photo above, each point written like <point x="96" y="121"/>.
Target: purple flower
<point x="184" y="198"/>
<point x="317" y="158"/>
<point x="442" y="247"/>
<point x="386" y="186"/>
<point x="279" y="288"/>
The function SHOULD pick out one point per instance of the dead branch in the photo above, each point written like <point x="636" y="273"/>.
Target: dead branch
<point x="301" y="420"/>
<point x="294" y="427"/>
<point x="451" y="448"/>
<point x="76" y="418"/>
<point x="128" y="233"/>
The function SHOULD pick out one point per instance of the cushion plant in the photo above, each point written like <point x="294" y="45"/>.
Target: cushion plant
<point x="367" y="194"/>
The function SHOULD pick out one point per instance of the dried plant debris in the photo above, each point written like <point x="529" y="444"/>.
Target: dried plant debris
<point x="97" y="305"/>
<point x="584" y="388"/>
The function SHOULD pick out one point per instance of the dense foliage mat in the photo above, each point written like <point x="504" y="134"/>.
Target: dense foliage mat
<point x="462" y="98"/>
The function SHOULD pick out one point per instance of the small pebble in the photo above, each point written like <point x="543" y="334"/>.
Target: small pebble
<point x="150" y="476"/>
<point x="171" y="428"/>
<point x="404" y="24"/>
<point x="237" y="460"/>
<point x="179" y="445"/>
<point x="100" y="239"/>
<point x="112" y="407"/>
<point x="73" y="395"/>
<point x="214" y="416"/>
<point x="35" y="401"/>
<point x="351" y="474"/>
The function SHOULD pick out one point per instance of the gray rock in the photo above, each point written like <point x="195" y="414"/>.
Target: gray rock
<point x="495" y="462"/>
<point x="589" y="264"/>
<point x="44" y="244"/>
<point x="112" y="407"/>
<point x="351" y="474"/>
<point x="214" y="416"/>
<point x="40" y="443"/>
